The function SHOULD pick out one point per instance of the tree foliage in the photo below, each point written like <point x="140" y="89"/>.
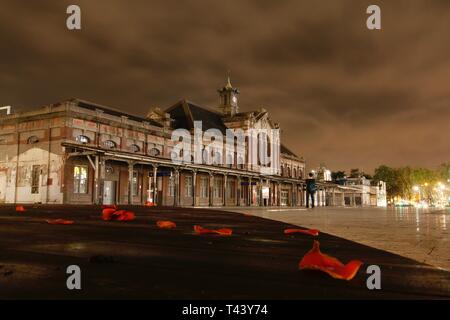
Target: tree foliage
<point x="400" y="181"/>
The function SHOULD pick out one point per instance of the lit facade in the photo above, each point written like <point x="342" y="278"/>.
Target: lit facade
<point x="77" y="152"/>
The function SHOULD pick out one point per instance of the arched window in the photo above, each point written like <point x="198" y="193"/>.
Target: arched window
<point x="32" y="140"/>
<point x="83" y="139"/>
<point x="110" y="144"/>
<point x="154" y="152"/>
<point x="295" y="173"/>
<point x="288" y="171"/>
<point x="135" y="148"/>
<point x="282" y="171"/>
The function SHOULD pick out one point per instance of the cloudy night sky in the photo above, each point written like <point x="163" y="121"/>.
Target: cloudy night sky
<point x="344" y="95"/>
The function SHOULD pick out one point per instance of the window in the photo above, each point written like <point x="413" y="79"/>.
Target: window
<point x="218" y="187"/>
<point x="35" y="174"/>
<point x="32" y="140"/>
<point x="134" y="185"/>
<point x="110" y="144"/>
<point x="135" y="148"/>
<point x="188" y="186"/>
<point x="80" y="179"/>
<point x="154" y="152"/>
<point x="204" y="187"/>
<point x="83" y="139"/>
<point x="171" y="187"/>
<point x="230" y="189"/>
<point x="230" y="161"/>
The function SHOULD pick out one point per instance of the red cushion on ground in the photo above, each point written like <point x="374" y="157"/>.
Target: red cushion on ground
<point x="316" y="260"/>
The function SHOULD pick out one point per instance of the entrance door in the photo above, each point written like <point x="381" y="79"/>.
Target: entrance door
<point x="2" y="187"/>
<point x="109" y="192"/>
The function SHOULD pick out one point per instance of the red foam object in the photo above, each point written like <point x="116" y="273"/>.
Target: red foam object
<point x="118" y="215"/>
<point x="166" y="224"/>
<point x="60" y="221"/>
<point x="107" y="213"/>
<point x="20" y="208"/>
<point x="312" y="232"/>
<point x="125" y="215"/>
<point x="316" y="260"/>
<point x="222" y="232"/>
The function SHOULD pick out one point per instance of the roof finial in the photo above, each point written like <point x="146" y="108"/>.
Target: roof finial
<point x="229" y="86"/>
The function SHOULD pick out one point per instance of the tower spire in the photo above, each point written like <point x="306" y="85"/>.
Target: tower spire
<point x="228" y="98"/>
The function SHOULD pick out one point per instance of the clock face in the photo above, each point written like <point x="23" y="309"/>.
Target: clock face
<point x="234" y="99"/>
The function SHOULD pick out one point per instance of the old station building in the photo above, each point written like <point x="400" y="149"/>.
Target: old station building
<point x="77" y="152"/>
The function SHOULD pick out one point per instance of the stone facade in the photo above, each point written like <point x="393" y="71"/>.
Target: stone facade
<point x="77" y="152"/>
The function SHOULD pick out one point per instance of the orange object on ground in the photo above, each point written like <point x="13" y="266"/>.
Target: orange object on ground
<point x="166" y="224"/>
<point x="60" y="221"/>
<point x="20" y="209"/>
<point x="312" y="232"/>
<point x="107" y="213"/>
<point x="125" y="215"/>
<point x="119" y="215"/>
<point x="149" y="204"/>
<point x="222" y="232"/>
<point x="316" y="260"/>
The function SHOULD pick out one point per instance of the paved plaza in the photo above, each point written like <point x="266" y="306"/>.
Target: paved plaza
<point x="135" y="259"/>
<point x="419" y="234"/>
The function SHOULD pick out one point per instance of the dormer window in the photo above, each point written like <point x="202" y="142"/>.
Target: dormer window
<point x="32" y="140"/>
<point x="83" y="139"/>
<point x="135" y="148"/>
<point x="109" y="144"/>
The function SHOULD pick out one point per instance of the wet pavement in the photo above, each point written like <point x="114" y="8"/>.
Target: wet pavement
<point x="137" y="260"/>
<point x="419" y="234"/>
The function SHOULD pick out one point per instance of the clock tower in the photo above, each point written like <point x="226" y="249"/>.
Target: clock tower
<point x="229" y="99"/>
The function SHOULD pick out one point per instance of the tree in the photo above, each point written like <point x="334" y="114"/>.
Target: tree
<point x="337" y="175"/>
<point x="390" y="176"/>
<point x="355" y="173"/>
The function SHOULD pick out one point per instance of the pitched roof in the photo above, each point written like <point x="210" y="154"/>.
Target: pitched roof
<point x="285" y="150"/>
<point x="184" y="113"/>
<point x="112" y="111"/>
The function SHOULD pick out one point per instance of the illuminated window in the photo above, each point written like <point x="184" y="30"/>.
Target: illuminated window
<point x="188" y="186"/>
<point x="204" y="187"/>
<point x="35" y="174"/>
<point x="83" y="139"/>
<point x="172" y="187"/>
<point x="218" y="187"/>
<point x="80" y="179"/>
<point x="110" y="144"/>
<point x="134" y="185"/>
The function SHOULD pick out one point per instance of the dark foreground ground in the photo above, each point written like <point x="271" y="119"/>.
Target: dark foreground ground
<point x="137" y="260"/>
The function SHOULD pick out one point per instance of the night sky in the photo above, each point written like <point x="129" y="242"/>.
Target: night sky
<point x="344" y="95"/>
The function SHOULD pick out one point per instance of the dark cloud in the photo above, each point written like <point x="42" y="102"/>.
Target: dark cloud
<point x="344" y="95"/>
